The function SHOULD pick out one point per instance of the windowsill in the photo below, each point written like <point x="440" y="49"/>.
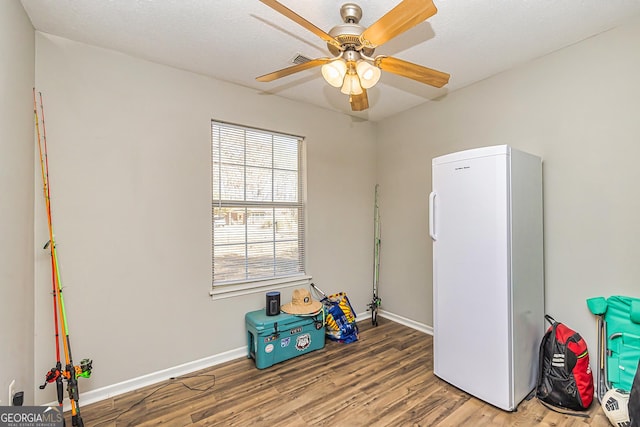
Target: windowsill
<point x="248" y="288"/>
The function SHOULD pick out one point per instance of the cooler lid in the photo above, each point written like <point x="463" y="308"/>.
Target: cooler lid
<point x="260" y="321"/>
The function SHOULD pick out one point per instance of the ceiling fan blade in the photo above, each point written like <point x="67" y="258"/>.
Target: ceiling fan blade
<point x="359" y="102"/>
<point x="412" y="71"/>
<point x="278" y="7"/>
<point x="407" y="14"/>
<point x="294" y="69"/>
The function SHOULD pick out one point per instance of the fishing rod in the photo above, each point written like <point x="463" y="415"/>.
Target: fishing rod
<point x="55" y="373"/>
<point x="375" y="301"/>
<point x="70" y="373"/>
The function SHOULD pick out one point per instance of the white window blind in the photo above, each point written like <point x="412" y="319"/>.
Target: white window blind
<point x="257" y="205"/>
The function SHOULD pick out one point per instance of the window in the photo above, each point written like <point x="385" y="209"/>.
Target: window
<point x="257" y="208"/>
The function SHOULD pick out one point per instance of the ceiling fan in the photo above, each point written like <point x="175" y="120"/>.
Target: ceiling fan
<point x="352" y="67"/>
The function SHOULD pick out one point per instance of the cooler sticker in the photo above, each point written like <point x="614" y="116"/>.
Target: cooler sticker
<point x="303" y="341"/>
<point x="296" y="330"/>
<point x="284" y="342"/>
<point x="270" y="338"/>
<point x="268" y="348"/>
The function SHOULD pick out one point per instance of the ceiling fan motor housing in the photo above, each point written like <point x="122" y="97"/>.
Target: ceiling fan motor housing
<point x="348" y="34"/>
<point x="351" y="12"/>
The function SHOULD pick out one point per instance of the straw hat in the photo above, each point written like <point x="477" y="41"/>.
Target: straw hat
<point x="302" y="303"/>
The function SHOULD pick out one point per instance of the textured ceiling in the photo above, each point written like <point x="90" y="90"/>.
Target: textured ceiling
<point x="236" y="41"/>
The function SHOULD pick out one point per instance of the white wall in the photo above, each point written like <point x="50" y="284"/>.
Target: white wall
<point x="17" y="50"/>
<point x="577" y="108"/>
<point x="129" y="159"/>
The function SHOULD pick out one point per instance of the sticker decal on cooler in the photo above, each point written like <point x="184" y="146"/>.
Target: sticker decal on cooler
<point x="303" y="341"/>
<point x="268" y="348"/>
<point x="284" y="342"/>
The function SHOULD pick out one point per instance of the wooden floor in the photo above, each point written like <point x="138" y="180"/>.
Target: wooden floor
<point x="384" y="379"/>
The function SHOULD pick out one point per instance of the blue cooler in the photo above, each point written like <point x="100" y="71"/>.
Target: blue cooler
<point x="273" y="339"/>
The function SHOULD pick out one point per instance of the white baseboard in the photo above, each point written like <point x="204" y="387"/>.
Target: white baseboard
<point x="406" y="322"/>
<point x="110" y="391"/>
<point x="398" y="319"/>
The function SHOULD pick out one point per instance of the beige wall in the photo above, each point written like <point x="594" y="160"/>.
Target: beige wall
<point x="129" y="157"/>
<point x="17" y="52"/>
<point x="578" y="109"/>
<point x="129" y="165"/>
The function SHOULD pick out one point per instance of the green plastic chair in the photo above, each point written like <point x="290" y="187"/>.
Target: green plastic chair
<point x="618" y="341"/>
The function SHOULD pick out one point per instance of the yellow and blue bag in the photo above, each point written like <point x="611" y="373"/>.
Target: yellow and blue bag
<point x="340" y="318"/>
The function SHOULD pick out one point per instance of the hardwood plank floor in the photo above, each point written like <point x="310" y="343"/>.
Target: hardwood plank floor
<point x="384" y="379"/>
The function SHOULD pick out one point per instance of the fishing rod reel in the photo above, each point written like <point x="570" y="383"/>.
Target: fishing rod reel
<point x="84" y="369"/>
<point x="373" y="308"/>
<point x="52" y="376"/>
<point x="57" y="374"/>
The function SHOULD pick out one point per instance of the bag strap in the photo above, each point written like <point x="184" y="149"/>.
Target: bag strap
<point x="541" y="362"/>
<point x="540" y="365"/>
<point x="550" y="319"/>
<point x="549" y="335"/>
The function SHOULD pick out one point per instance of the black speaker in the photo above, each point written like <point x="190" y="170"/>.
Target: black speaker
<point x="273" y="303"/>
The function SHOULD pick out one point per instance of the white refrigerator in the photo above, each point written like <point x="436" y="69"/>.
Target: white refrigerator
<point x="485" y="220"/>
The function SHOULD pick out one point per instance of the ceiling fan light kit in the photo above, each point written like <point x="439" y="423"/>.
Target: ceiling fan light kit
<point x="334" y="72"/>
<point x="340" y="74"/>
<point x="351" y="85"/>
<point x="352" y="68"/>
<point x="369" y="74"/>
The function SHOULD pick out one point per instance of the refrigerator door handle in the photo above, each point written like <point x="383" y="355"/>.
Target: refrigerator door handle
<point x="432" y="225"/>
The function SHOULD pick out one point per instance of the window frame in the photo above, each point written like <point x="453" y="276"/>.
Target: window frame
<point x="226" y="289"/>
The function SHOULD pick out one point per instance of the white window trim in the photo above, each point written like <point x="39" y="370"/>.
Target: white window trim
<point x="248" y="288"/>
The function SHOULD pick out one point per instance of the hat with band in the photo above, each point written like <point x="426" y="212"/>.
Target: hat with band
<point x="302" y="303"/>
